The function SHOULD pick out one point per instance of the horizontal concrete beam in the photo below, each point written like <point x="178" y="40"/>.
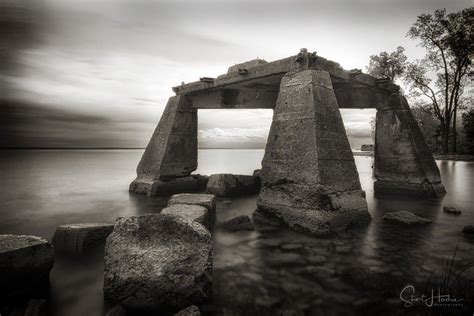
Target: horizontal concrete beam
<point x="277" y="69"/>
<point x="360" y="97"/>
<point x="235" y="99"/>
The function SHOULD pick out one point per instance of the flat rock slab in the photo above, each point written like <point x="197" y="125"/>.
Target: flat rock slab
<point x="158" y="262"/>
<point x="206" y="200"/>
<point x="226" y="184"/>
<point x="25" y="262"/>
<point x="238" y="223"/>
<point x="405" y="217"/>
<point x="194" y="213"/>
<point x="77" y="238"/>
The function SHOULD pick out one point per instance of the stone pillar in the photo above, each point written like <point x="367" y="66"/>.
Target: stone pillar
<point x="309" y="178"/>
<point x="171" y="154"/>
<point x="403" y="162"/>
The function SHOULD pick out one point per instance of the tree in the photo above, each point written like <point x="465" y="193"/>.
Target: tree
<point x="388" y="65"/>
<point x="448" y="40"/>
<point x="468" y="128"/>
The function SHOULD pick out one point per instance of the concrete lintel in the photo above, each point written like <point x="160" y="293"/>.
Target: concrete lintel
<point x="280" y="68"/>
<point x="235" y="99"/>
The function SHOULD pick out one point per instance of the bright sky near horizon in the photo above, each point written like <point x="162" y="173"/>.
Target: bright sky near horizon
<point x="99" y="73"/>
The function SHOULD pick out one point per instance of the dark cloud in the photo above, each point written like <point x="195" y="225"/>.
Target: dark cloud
<point x="87" y="73"/>
<point x="30" y="125"/>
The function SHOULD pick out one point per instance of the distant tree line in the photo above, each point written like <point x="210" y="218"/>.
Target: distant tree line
<point x="438" y="85"/>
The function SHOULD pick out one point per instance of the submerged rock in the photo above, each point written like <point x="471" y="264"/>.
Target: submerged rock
<point x="158" y="262"/>
<point x="206" y="200"/>
<point x="192" y="310"/>
<point x="469" y="229"/>
<point x="76" y="238"/>
<point x="451" y="210"/>
<point x="25" y="263"/>
<point x="232" y="185"/>
<point x="405" y="217"/>
<point x="242" y="222"/>
<point x="194" y="213"/>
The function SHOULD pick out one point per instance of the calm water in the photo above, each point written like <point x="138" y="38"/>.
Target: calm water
<point x="254" y="272"/>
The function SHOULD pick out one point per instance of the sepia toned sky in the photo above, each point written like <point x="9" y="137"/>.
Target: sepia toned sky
<point x="89" y="73"/>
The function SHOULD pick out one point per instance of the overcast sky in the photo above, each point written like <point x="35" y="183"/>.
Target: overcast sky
<point x="98" y="73"/>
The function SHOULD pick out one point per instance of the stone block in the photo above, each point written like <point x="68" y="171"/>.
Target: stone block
<point x="233" y="185"/>
<point x="158" y="262"/>
<point x="25" y="263"/>
<point x="206" y="200"/>
<point x="78" y="238"/>
<point x="195" y="213"/>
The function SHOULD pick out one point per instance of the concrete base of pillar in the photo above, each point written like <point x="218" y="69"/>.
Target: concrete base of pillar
<point x="403" y="164"/>
<point x="189" y="184"/>
<point x="341" y="211"/>
<point x="426" y="188"/>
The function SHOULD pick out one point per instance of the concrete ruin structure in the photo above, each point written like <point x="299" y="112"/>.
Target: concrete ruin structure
<point x="309" y="177"/>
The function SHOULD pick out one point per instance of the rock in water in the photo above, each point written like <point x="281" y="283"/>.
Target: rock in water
<point x="190" y="311"/>
<point x="76" y="238"/>
<point x="451" y="210"/>
<point x="225" y="184"/>
<point x="405" y="217"/>
<point x="158" y="262"/>
<point x="192" y="212"/>
<point x="206" y="200"/>
<point x="25" y="262"/>
<point x="469" y="229"/>
<point x="237" y="223"/>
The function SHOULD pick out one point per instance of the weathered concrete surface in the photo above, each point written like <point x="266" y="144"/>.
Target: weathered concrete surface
<point x="206" y="200"/>
<point x="309" y="178"/>
<point x="403" y="162"/>
<point x="226" y="184"/>
<point x="25" y="262"/>
<point x="158" y="262"/>
<point x="194" y="213"/>
<point x="246" y="65"/>
<point x="77" y="238"/>
<point x="405" y="217"/>
<point x="172" y="150"/>
<point x="169" y="186"/>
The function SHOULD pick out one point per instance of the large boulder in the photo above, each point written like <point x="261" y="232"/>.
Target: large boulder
<point x="25" y="263"/>
<point x="206" y="200"/>
<point x="405" y="217"/>
<point x="77" y="238"/>
<point x="158" y="262"/>
<point x="194" y="213"/>
<point x="225" y="184"/>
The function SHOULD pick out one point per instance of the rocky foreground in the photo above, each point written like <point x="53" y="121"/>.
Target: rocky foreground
<point x="164" y="262"/>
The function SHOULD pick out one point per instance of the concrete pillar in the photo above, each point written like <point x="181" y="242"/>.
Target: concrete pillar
<point x="171" y="154"/>
<point x="403" y="162"/>
<point x="309" y="178"/>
